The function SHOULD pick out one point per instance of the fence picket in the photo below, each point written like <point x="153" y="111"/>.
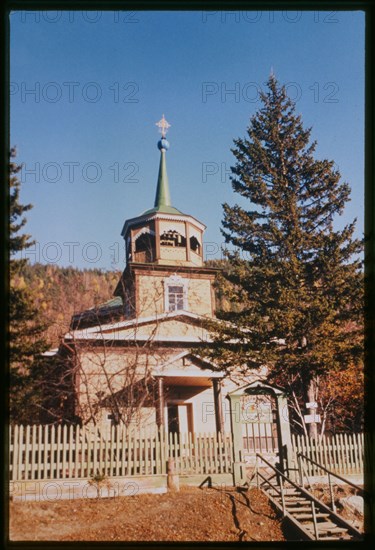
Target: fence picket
<point x="227" y="454"/>
<point x="338" y="462"/>
<point x="116" y="449"/>
<point x="88" y="455"/>
<point x="342" y="455"/>
<point x="176" y="452"/>
<point x="210" y="451"/>
<point x="21" y="464"/>
<point x="164" y="449"/>
<point x="359" y="438"/>
<point x="33" y="451"/>
<point x="83" y="447"/>
<point x="13" y="438"/>
<point x="64" y="450"/>
<point x="140" y="459"/>
<point x="215" y="455"/>
<point x="191" y="464"/>
<point x="27" y="451"/>
<point x="220" y="448"/>
<point x="129" y="454"/>
<point x="52" y="447"/>
<point x="146" y="447"/>
<point x="70" y="451"/>
<point x="58" y="449"/>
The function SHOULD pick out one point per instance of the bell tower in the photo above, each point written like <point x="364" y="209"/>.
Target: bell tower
<point x="164" y="256"/>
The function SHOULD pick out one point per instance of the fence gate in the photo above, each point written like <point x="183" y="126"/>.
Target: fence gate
<point x="260" y="424"/>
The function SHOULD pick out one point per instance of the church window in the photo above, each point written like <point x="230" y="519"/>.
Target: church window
<point x="175" y="297"/>
<point x="176" y="293"/>
<point x="172" y="238"/>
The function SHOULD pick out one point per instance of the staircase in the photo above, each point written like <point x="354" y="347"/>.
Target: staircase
<point x="313" y="519"/>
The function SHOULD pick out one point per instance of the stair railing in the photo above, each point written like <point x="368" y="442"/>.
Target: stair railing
<point x="313" y="513"/>
<point x="330" y="474"/>
<point x="315" y="502"/>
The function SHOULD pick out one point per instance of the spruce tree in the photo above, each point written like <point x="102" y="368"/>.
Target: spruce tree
<point x="297" y="277"/>
<point x="25" y="326"/>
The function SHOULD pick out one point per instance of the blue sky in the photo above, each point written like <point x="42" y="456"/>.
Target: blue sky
<point x="102" y="80"/>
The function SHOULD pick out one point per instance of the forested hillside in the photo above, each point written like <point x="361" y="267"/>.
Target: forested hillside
<point x="59" y="292"/>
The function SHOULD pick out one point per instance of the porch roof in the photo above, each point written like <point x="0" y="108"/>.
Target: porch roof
<point x="198" y="372"/>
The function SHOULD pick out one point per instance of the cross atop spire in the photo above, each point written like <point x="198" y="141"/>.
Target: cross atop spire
<point x="163" y="197"/>
<point x="163" y="126"/>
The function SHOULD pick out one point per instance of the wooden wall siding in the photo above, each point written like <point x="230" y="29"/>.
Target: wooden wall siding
<point x="341" y="453"/>
<point x="68" y="452"/>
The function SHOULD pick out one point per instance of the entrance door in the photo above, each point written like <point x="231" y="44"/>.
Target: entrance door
<point x="173" y="421"/>
<point x="180" y="417"/>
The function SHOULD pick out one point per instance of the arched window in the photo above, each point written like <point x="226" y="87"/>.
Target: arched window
<point x="144" y="247"/>
<point x="172" y="238"/>
<point x="194" y="245"/>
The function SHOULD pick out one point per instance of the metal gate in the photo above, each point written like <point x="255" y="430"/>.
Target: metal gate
<point x="259" y="424"/>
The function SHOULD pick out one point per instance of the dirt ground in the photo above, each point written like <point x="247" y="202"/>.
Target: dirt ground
<point x="190" y="515"/>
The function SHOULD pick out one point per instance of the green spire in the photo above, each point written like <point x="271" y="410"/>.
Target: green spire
<point x="163" y="197"/>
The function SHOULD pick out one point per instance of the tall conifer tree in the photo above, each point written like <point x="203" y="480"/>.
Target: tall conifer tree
<point x="298" y="278"/>
<point x="25" y="325"/>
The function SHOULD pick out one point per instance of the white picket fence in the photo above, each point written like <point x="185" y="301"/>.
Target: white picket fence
<point x="63" y="452"/>
<point x="341" y="453"/>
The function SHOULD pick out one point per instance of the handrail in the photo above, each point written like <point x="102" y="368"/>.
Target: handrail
<point x="303" y="490"/>
<point x="360" y="489"/>
<point x="311" y="497"/>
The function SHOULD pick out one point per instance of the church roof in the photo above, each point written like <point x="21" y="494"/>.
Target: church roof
<point x="109" y="310"/>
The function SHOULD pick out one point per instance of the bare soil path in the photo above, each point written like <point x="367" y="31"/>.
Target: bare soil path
<point x="190" y="515"/>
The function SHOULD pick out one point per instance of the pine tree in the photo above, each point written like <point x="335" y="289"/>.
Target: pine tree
<point x="297" y="278"/>
<point x="25" y="324"/>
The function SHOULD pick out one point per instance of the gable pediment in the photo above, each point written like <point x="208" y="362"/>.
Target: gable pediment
<point x="170" y="327"/>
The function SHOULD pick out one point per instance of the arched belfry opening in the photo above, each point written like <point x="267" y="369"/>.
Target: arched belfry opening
<point x="144" y="248"/>
<point x="195" y="245"/>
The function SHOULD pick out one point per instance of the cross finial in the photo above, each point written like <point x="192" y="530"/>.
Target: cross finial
<point x="163" y="126"/>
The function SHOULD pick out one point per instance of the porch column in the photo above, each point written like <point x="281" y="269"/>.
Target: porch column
<point x="160" y="401"/>
<point x="216" y="384"/>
